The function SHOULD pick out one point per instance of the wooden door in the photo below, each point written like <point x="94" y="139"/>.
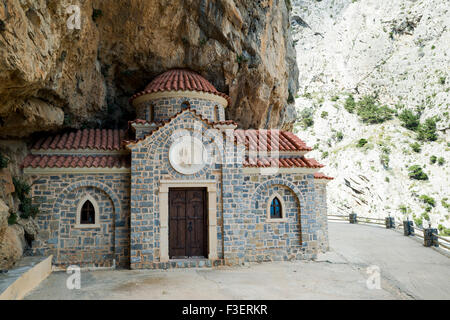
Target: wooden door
<point x="187" y="223"/>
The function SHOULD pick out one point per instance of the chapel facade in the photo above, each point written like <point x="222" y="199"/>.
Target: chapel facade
<point x="181" y="187"/>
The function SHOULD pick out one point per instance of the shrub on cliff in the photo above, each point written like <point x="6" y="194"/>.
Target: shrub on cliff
<point x="443" y="230"/>
<point x="418" y="221"/>
<point x="415" y="147"/>
<point x="425" y="216"/>
<point x="22" y="189"/>
<point x="339" y="136"/>
<point x="361" y="143"/>
<point x="445" y="204"/>
<point x="409" y="120"/>
<point x="370" y="112"/>
<point x="307" y="119"/>
<point x="26" y="207"/>
<point x="416" y="173"/>
<point x="427" y="130"/>
<point x="428" y="200"/>
<point x="403" y="209"/>
<point x="350" y="104"/>
<point x="12" y="219"/>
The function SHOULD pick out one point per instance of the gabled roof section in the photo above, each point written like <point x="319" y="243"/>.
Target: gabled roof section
<point x="320" y="175"/>
<point x="160" y="125"/>
<point x="85" y="139"/>
<point x="270" y="140"/>
<point x="288" y="162"/>
<point x="76" y="161"/>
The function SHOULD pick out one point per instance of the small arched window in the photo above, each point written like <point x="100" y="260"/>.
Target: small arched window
<point x="275" y="209"/>
<point x="87" y="213"/>
<point x="185" y="105"/>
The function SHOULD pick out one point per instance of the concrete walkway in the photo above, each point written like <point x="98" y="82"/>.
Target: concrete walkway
<point x="408" y="271"/>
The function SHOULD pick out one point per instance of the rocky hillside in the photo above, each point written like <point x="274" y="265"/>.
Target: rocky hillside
<point x="362" y="64"/>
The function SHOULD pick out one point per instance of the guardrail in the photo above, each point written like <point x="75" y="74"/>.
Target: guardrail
<point x="430" y="235"/>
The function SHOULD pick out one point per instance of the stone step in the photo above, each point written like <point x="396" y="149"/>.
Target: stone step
<point x="187" y="263"/>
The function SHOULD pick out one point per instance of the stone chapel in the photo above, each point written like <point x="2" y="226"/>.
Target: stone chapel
<point x="181" y="187"/>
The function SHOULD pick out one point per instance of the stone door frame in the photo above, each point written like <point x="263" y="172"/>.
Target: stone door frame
<point x="211" y="208"/>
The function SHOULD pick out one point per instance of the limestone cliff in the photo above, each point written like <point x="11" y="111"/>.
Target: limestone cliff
<point x="75" y="63"/>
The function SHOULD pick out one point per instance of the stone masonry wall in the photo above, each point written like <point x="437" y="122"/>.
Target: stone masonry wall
<point x="321" y="205"/>
<point x="150" y="163"/>
<point x="58" y="196"/>
<point x="297" y="238"/>
<point x="164" y="108"/>
<point x="234" y="200"/>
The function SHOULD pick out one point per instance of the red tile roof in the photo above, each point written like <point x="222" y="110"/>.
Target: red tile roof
<point x="270" y="140"/>
<point x="320" y="175"/>
<point x="180" y="80"/>
<point x="98" y="139"/>
<point x="290" y="162"/>
<point x="54" y="161"/>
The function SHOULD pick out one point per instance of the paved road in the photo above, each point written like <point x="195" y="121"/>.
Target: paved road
<point x="405" y="264"/>
<point x="408" y="271"/>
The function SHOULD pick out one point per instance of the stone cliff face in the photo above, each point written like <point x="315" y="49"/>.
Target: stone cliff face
<point x="54" y="75"/>
<point x="12" y="240"/>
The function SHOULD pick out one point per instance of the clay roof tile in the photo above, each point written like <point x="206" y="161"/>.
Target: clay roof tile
<point x="285" y="162"/>
<point x="58" y="161"/>
<point x="269" y="140"/>
<point x="98" y="139"/>
<point x="320" y="175"/>
<point x="180" y="79"/>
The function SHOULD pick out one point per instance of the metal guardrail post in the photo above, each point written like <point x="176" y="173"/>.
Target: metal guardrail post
<point x="408" y="228"/>
<point x="352" y="218"/>
<point x="390" y="223"/>
<point x="430" y="237"/>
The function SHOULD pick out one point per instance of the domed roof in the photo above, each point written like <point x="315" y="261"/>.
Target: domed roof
<point x="180" y="80"/>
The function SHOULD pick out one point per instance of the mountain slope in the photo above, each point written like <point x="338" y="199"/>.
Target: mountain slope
<point x="395" y="54"/>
